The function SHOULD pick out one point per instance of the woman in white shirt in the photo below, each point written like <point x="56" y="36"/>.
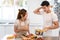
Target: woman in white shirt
<point x="21" y="26"/>
<point x="50" y="18"/>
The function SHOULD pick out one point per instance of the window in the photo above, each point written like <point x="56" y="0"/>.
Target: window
<point x="58" y="1"/>
<point x="9" y="9"/>
<point x="51" y="2"/>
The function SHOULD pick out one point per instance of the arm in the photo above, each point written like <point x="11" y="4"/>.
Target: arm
<point x="36" y="11"/>
<point x="15" y="29"/>
<point x="54" y="26"/>
<point x="26" y="28"/>
<point x="55" y="22"/>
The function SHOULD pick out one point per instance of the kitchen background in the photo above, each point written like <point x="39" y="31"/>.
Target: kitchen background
<point x="9" y="10"/>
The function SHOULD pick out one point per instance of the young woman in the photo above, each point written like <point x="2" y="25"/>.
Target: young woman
<point x="21" y="26"/>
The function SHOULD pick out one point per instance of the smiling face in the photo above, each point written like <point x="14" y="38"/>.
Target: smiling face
<point x="45" y="5"/>
<point x="25" y="17"/>
<point x="45" y="8"/>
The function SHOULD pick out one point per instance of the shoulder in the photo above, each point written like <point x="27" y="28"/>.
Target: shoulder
<point x="54" y="16"/>
<point x="16" y="21"/>
<point x="27" y="21"/>
<point x="53" y="13"/>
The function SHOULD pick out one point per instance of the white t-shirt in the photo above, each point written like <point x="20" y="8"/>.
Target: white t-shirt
<point x="48" y="20"/>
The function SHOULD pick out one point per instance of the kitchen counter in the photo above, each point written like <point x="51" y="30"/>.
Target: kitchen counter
<point x="53" y="38"/>
<point x="5" y="27"/>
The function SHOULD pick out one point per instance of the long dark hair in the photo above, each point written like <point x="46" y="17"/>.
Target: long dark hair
<point x="21" y="13"/>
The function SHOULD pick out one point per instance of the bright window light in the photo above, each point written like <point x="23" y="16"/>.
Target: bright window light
<point x="9" y="8"/>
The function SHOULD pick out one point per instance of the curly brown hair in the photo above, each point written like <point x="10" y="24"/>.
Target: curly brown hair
<point x="21" y="13"/>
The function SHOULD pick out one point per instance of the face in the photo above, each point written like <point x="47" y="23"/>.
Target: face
<point x="45" y="8"/>
<point x="25" y="17"/>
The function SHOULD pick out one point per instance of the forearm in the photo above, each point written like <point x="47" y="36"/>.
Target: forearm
<point x="24" y="28"/>
<point x="19" y="30"/>
<point x="53" y="27"/>
<point x="28" y="32"/>
<point x="37" y="10"/>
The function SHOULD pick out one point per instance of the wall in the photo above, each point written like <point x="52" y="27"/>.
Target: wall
<point x="32" y="5"/>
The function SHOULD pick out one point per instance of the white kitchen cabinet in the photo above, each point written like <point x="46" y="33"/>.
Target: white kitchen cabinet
<point x="9" y="29"/>
<point x="2" y="32"/>
<point x="6" y="30"/>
